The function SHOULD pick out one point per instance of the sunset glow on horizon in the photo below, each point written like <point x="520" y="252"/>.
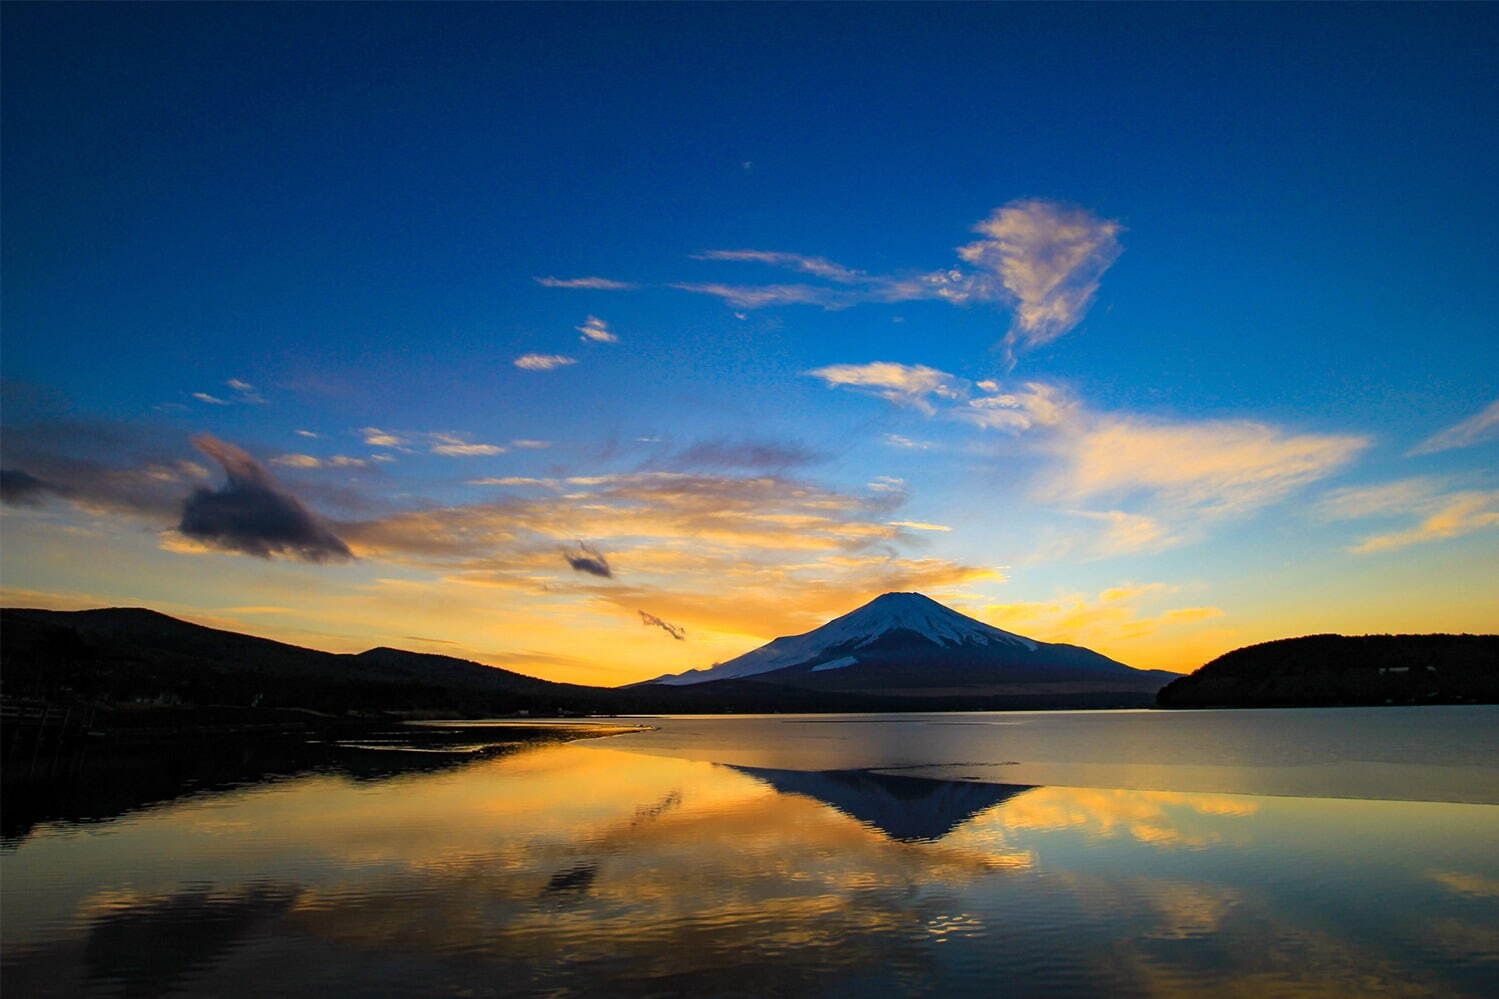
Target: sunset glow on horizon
<point x="456" y="329"/>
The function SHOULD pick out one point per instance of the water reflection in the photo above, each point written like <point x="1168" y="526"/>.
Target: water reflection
<point x="565" y="870"/>
<point x="912" y="809"/>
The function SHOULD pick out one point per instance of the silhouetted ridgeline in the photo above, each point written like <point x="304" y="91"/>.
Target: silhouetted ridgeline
<point x="1323" y="670"/>
<point x="131" y="668"/>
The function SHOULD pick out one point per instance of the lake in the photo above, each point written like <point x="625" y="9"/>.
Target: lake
<point x="1292" y="852"/>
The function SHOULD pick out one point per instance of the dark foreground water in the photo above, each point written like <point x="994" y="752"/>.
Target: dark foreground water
<point x="845" y="856"/>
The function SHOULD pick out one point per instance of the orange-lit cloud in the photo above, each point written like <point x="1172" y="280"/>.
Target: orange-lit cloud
<point x="1115" y="619"/>
<point x="1441" y="513"/>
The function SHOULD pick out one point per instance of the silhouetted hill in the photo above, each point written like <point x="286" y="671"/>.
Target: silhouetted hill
<point x="1322" y="670"/>
<point x="122" y="655"/>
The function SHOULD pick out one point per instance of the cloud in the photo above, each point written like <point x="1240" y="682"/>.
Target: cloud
<point x="762" y="295"/>
<point x="647" y="618"/>
<point x="1459" y="513"/>
<point x="306" y="433"/>
<point x="447" y="443"/>
<point x="1111" y="616"/>
<point x="1481" y="426"/>
<point x="900" y="440"/>
<point x="1049" y="259"/>
<point x="375" y="437"/>
<point x="254" y="514"/>
<point x="597" y="283"/>
<point x="903" y="384"/>
<point x="816" y="266"/>
<point x="1033" y="404"/>
<point x="530" y="444"/>
<point x="917" y="525"/>
<point x="466" y="450"/>
<point x="769" y="456"/>
<point x="310" y="461"/>
<point x="1441" y="514"/>
<point x="61" y="456"/>
<point x="515" y="480"/>
<point x="21" y="488"/>
<point x="1127" y="533"/>
<point x="590" y="560"/>
<point x="245" y="392"/>
<point x="543" y="362"/>
<point x="1210" y="466"/>
<point x="1041" y="258"/>
<point x="1175" y="473"/>
<point x="455" y="445"/>
<point x="596" y="329"/>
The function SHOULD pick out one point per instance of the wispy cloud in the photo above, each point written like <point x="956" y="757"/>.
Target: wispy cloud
<point x="375" y="437"/>
<point x="1211" y="467"/>
<point x="596" y="283"/>
<point x="759" y="296"/>
<point x="1177" y="475"/>
<point x="1042" y="259"/>
<point x="311" y="461"/>
<point x="243" y="392"/>
<point x="1440" y="513"/>
<point x="466" y="450"/>
<point x="906" y="384"/>
<point x="1118" y="614"/>
<point x="543" y="362"/>
<point x="20" y="488"/>
<point x="1049" y="258"/>
<point x="253" y="514"/>
<point x="651" y="620"/>
<point x="306" y="433"/>
<point x="720" y="455"/>
<point x="1481" y="426"/>
<point x="918" y="525"/>
<point x="455" y="445"/>
<point x="816" y="266"/>
<point x="597" y="330"/>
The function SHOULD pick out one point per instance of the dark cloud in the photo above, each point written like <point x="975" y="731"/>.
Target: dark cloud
<point x="20" y="488"/>
<point x="590" y="560"/>
<point x="769" y="456"/>
<point x="647" y="618"/>
<point x="252" y="513"/>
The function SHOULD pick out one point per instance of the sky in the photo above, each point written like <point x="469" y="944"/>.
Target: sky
<point x="597" y="342"/>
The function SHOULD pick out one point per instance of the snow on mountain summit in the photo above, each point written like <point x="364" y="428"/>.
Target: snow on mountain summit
<point x="913" y="613"/>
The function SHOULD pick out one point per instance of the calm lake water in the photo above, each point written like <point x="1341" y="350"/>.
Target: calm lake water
<point x="1342" y="852"/>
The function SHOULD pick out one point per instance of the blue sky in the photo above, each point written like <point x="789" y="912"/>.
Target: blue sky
<point x="1287" y="220"/>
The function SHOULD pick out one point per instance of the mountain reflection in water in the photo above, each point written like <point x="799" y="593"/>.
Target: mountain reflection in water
<point x="565" y="870"/>
<point x="911" y="809"/>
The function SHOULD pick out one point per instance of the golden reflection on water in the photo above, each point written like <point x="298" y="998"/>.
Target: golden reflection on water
<point x="572" y="870"/>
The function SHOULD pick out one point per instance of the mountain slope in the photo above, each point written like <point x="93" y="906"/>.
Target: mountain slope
<point x="129" y="653"/>
<point x="907" y="643"/>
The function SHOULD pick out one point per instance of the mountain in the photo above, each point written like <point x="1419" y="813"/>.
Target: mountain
<point x="1325" y="670"/>
<point x="907" y="644"/>
<point x="126" y="654"/>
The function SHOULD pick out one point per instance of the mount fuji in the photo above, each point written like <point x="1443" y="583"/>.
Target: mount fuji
<point x="908" y="644"/>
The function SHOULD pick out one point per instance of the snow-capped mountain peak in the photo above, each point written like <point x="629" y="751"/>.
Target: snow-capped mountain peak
<point x="916" y="616"/>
